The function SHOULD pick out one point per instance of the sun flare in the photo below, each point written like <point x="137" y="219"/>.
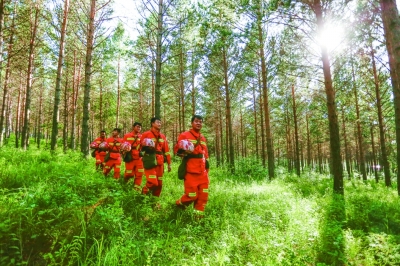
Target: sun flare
<point x="333" y="37"/>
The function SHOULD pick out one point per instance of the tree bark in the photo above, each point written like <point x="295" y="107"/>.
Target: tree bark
<point x="391" y="26"/>
<point x="346" y="146"/>
<point x="157" y="92"/>
<point x="57" y="95"/>
<point x="65" y="122"/>
<point x="359" y="131"/>
<point x="385" y="161"/>
<point x="8" y="68"/>
<point x="75" y="91"/>
<point x="255" y="121"/>
<point x="88" y="74"/>
<point x="268" y="135"/>
<point x="337" y="167"/>
<point x="39" y="124"/>
<point x="296" y="134"/>
<point x="29" y="80"/>
<point x="228" y="112"/>
<point x="118" y="93"/>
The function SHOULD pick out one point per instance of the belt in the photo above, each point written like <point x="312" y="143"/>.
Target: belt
<point x="195" y="156"/>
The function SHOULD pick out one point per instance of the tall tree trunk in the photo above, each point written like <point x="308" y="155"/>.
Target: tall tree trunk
<point x="268" y="134"/>
<point x="39" y="124"/>
<point x="88" y="74"/>
<point x="8" y="68"/>
<point x="141" y="100"/>
<point x="29" y="80"/>
<point x="337" y="167"/>
<point x="346" y="145"/>
<point x="374" y="163"/>
<point x="18" y="113"/>
<point x="193" y="88"/>
<point x="153" y="89"/>
<point x="118" y="93"/>
<point x="359" y="131"/>
<point x="57" y="94"/>
<point x="228" y="112"/>
<point x="65" y="122"/>
<point x="385" y="161"/>
<point x="255" y="121"/>
<point x="75" y="91"/>
<point x="263" y="153"/>
<point x="220" y="123"/>
<point x="182" y="88"/>
<point x="160" y="29"/>
<point x="296" y="134"/>
<point x="391" y="26"/>
<point x="309" y="158"/>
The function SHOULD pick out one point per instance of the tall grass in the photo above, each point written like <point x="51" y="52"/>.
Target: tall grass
<point x="57" y="210"/>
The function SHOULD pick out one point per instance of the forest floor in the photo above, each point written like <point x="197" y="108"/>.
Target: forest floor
<point x="57" y="210"/>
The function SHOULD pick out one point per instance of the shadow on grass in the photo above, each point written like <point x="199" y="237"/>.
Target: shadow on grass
<point x="331" y="245"/>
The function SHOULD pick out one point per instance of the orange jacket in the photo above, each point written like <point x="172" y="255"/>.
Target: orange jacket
<point x="100" y="140"/>
<point x="194" y="137"/>
<point x="134" y="140"/>
<point x="114" y="145"/>
<point x="195" y="165"/>
<point x="161" y="143"/>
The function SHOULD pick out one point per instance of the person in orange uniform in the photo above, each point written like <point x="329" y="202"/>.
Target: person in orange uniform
<point x="196" y="178"/>
<point x="154" y="175"/>
<point x="134" y="168"/>
<point x="114" y="162"/>
<point x="100" y="154"/>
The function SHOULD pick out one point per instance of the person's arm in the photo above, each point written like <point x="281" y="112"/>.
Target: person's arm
<point x="205" y="147"/>
<point x="176" y="150"/>
<point x="167" y="153"/>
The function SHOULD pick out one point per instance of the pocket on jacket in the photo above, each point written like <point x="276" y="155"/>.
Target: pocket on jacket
<point x="160" y="159"/>
<point x="114" y="155"/>
<point x="135" y="154"/>
<point x="195" y="166"/>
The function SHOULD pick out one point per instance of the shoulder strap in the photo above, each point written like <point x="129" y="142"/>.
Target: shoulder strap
<point x="156" y="144"/>
<point x="198" y="140"/>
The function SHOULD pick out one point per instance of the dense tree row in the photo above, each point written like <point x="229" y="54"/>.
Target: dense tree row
<point x="268" y="77"/>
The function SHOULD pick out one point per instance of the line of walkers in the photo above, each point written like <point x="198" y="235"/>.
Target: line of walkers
<point x="146" y="154"/>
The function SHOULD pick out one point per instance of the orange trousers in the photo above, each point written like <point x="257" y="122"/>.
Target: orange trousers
<point x="135" y="169"/>
<point x="113" y="164"/>
<point x="100" y="158"/>
<point x="153" y="180"/>
<point x="196" y="191"/>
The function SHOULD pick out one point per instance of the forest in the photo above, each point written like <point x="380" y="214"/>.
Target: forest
<point x="301" y="107"/>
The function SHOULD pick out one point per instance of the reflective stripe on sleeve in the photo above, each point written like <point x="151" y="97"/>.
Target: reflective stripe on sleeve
<point x="152" y="176"/>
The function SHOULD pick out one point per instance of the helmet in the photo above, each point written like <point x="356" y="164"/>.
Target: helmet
<point x="94" y="145"/>
<point x="125" y="146"/>
<point x="186" y="145"/>
<point x="103" y="146"/>
<point x="147" y="142"/>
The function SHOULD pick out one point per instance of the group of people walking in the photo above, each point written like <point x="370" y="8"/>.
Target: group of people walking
<point x="145" y="154"/>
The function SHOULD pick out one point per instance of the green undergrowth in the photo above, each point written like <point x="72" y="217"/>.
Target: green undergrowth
<point x="57" y="210"/>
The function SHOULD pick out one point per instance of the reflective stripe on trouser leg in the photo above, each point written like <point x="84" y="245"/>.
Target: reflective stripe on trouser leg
<point x="117" y="169"/>
<point x="151" y="180"/>
<point x="129" y="169"/>
<point x="138" y="170"/>
<point x="202" y="198"/>
<point x="189" y="196"/>
<point x="157" y="190"/>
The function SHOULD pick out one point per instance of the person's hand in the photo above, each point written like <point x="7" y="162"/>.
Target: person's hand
<point x="169" y="168"/>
